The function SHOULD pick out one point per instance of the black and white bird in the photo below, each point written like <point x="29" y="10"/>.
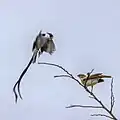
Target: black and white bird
<point x="43" y="43"/>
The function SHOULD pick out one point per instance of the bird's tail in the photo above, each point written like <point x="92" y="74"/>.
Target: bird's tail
<point x="34" y="56"/>
<point x="17" y="84"/>
<point x="106" y="76"/>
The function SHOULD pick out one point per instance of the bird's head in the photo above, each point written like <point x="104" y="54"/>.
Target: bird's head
<point x="81" y="76"/>
<point x="44" y="34"/>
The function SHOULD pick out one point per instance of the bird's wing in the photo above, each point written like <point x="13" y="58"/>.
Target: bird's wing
<point x="97" y="75"/>
<point x="50" y="47"/>
<point x="43" y="41"/>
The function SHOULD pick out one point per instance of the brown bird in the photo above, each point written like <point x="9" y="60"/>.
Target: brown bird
<point x="93" y="79"/>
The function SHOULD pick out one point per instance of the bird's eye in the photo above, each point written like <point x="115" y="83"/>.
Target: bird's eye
<point x="43" y="34"/>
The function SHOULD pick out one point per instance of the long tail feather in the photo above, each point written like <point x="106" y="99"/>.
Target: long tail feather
<point x="100" y="76"/>
<point x="17" y="84"/>
<point x="34" y="56"/>
<point x="106" y="76"/>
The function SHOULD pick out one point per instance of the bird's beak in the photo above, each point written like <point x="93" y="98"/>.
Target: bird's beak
<point x="78" y="75"/>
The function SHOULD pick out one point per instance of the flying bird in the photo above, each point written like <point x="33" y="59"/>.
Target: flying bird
<point x="43" y="43"/>
<point x="92" y="79"/>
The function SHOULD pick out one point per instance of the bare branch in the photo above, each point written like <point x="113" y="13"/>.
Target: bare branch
<point x="112" y="97"/>
<point x="83" y="106"/>
<point x="62" y="76"/>
<point x="102" y="115"/>
<point x="69" y="74"/>
<point x="102" y="105"/>
<point x="91" y="71"/>
<point x="45" y="63"/>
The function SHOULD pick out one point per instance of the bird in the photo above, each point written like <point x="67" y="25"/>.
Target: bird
<point x="49" y="46"/>
<point x="92" y="79"/>
<point x="43" y="43"/>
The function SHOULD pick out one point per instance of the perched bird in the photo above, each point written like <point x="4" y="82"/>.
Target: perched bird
<point x="92" y="79"/>
<point x="43" y="43"/>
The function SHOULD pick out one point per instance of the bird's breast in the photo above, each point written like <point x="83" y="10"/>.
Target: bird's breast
<point x="90" y="82"/>
<point x="40" y="43"/>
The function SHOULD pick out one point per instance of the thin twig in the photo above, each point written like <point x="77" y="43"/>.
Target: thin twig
<point x="89" y="73"/>
<point x="71" y="76"/>
<point x="100" y="102"/>
<point x="45" y="63"/>
<point x="83" y="106"/>
<point x="102" y="115"/>
<point x="62" y="76"/>
<point x="112" y="96"/>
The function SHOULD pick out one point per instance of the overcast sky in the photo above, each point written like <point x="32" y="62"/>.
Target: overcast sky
<point x="87" y="36"/>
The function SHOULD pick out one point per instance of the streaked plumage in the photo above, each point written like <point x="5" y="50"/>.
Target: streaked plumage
<point x="93" y="79"/>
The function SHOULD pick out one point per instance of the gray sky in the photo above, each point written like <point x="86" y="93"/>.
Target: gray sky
<point x="87" y="34"/>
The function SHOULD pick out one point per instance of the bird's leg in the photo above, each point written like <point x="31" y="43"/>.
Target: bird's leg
<point x="91" y="89"/>
<point x="39" y="53"/>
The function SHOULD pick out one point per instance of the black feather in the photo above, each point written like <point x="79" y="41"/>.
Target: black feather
<point x="17" y="84"/>
<point x="100" y="80"/>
